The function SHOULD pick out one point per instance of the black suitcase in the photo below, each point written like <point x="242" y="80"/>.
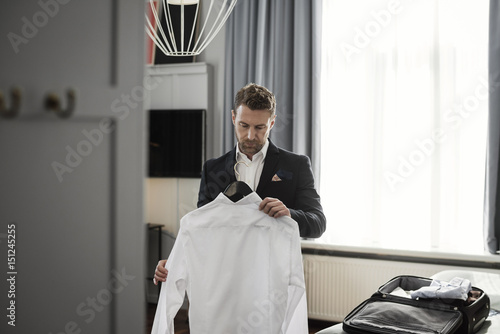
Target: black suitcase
<point x="384" y="313"/>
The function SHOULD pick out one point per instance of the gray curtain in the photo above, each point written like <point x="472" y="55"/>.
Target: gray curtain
<point x="492" y="187"/>
<point x="275" y="43"/>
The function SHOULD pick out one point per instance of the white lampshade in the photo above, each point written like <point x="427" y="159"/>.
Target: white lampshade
<point x="186" y="29"/>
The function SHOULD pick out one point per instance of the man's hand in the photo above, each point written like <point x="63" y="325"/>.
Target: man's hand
<point x="161" y="272"/>
<point x="274" y="207"/>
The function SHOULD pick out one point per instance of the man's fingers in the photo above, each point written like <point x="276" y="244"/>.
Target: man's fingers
<point x="160" y="267"/>
<point x="161" y="272"/>
<point x="264" y="202"/>
<point x="268" y="203"/>
<point x="274" y="207"/>
<point x="277" y="211"/>
<point x="158" y="279"/>
<point x="161" y="275"/>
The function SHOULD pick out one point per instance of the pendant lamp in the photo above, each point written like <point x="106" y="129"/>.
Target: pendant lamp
<point x="182" y="28"/>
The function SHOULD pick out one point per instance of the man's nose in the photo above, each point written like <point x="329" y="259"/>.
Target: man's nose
<point x="251" y="134"/>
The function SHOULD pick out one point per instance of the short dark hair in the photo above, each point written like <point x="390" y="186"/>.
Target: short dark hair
<point x="255" y="97"/>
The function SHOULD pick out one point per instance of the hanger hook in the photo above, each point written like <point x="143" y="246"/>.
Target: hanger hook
<point x="53" y="103"/>
<point x="15" y="103"/>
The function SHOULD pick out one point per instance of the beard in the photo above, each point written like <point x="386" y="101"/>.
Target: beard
<point x="250" y="146"/>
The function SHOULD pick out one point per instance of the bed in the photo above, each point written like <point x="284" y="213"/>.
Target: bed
<point x="487" y="281"/>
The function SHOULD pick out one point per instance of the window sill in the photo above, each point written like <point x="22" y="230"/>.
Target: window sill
<point x="485" y="261"/>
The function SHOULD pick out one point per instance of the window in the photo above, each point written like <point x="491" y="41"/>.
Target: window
<point x="403" y="116"/>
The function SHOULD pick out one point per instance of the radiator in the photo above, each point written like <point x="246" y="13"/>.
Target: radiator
<point x="335" y="285"/>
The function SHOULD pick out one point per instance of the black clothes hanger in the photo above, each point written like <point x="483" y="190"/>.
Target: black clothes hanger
<point x="237" y="190"/>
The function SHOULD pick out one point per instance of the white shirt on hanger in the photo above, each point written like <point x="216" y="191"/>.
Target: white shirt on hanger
<point x="242" y="271"/>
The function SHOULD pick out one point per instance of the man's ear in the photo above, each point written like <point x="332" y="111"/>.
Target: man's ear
<point x="272" y="122"/>
<point x="233" y="116"/>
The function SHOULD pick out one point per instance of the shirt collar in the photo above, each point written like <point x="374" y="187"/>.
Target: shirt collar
<point x="262" y="152"/>
<point x="253" y="197"/>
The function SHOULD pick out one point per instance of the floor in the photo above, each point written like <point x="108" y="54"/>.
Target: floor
<point x="181" y="324"/>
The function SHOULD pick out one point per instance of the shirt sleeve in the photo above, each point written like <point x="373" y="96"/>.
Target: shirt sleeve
<point x="172" y="291"/>
<point x="296" y="312"/>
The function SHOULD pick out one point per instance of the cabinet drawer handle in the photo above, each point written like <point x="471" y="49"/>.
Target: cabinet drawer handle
<point x="53" y="103"/>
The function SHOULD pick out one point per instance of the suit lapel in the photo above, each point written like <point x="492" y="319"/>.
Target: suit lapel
<point x="271" y="161"/>
<point x="229" y="165"/>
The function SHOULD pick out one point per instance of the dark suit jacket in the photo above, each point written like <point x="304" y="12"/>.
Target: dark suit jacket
<point x="296" y="188"/>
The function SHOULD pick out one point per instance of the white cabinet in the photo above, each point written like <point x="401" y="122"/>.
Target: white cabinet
<point x="179" y="86"/>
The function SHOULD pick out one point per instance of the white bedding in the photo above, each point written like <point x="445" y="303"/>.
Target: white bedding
<point x="488" y="282"/>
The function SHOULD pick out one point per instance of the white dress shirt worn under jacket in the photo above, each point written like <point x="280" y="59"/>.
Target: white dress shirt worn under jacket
<point x="242" y="271"/>
<point x="249" y="171"/>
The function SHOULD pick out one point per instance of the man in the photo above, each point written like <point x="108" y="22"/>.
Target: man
<point x="284" y="179"/>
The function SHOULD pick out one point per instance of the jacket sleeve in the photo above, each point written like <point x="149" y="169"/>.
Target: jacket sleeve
<point x="204" y="196"/>
<point x="172" y="291"/>
<point x="307" y="211"/>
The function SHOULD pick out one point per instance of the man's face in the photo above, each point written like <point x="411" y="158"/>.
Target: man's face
<point x="252" y="128"/>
